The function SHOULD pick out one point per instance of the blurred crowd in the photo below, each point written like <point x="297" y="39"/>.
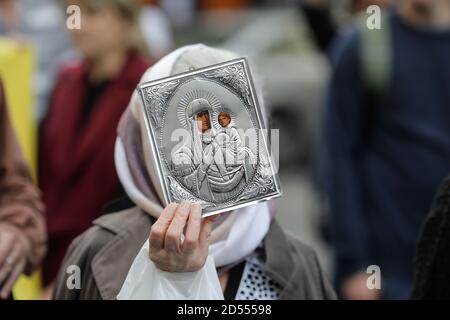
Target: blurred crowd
<point x="363" y="114"/>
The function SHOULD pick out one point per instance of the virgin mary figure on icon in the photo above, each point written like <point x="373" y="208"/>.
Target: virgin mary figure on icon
<point x="212" y="163"/>
<point x="191" y="162"/>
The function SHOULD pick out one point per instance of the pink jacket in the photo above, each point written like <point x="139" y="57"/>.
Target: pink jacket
<point x="21" y="208"/>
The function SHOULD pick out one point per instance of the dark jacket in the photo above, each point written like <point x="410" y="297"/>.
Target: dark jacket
<point x="432" y="279"/>
<point x="106" y="251"/>
<point x="76" y="152"/>
<point x="383" y="164"/>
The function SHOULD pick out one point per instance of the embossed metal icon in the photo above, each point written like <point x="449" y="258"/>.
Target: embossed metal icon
<point x="207" y="138"/>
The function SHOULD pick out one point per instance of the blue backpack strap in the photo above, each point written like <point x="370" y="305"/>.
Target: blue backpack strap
<point x="376" y="55"/>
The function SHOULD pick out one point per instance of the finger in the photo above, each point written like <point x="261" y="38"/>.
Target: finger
<point x="7" y="287"/>
<point x="8" y="263"/>
<point x="206" y="229"/>
<point x="193" y="229"/>
<point x="159" y="228"/>
<point x="4" y="272"/>
<point x="173" y="234"/>
<point x="6" y="244"/>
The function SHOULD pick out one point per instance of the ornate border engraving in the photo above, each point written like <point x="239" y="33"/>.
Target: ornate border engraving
<point x="156" y="98"/>
<point x="234" y="76"/>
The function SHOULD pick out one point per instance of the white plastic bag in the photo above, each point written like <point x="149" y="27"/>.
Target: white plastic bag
<point x="146" y="282"/>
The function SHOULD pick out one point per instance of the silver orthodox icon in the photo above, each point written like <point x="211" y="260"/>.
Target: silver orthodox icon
<point x="208" y="138"/>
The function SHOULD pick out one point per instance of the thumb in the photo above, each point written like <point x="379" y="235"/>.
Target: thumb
<point x="206" y="229"/>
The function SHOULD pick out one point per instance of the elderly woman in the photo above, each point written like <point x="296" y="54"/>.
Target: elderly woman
<point x="253" y="256"/>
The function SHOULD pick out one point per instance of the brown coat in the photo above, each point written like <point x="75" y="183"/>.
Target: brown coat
<point x="105" y="252"/>
<point x="21" y="209"/>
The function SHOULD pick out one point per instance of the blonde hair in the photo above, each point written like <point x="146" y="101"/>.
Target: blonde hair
<point x="129" y="10"/>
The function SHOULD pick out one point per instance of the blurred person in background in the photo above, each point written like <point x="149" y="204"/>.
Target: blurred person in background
<point x="386" y="143"/>
<point x="41" y="24"/>
<point x="22" y="225"/>
<point x="76" y="167"/>
<point x="318" y="14"/>
<point x="319" y="18"/>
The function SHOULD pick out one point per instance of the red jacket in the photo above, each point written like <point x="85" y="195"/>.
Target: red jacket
<point x="76" y="163"/>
